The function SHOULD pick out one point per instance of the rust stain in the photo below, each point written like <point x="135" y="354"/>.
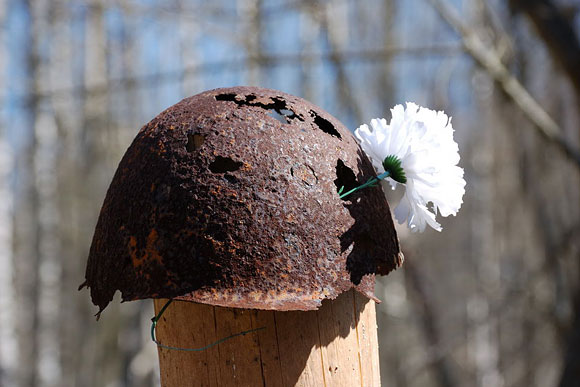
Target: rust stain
<point x="133" y="252"/>
<point x="151" y="252"/>
<point x="148" y="254"/>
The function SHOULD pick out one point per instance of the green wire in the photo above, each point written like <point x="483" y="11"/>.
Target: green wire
<point x="155" y="320"/>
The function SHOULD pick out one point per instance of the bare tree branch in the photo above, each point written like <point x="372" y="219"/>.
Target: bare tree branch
<point x="265" y="60"/>
<point x="557" y="32"/>
<point x="490" y="61"/>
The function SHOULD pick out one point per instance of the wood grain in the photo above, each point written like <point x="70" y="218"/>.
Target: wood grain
<point x="334" y="346"/>
<point x="368" y="340"/>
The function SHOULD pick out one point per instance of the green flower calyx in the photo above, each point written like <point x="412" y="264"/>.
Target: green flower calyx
<point x="392" y="164"/>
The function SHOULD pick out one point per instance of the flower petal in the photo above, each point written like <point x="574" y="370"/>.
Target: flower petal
<point x="422" y="139"/>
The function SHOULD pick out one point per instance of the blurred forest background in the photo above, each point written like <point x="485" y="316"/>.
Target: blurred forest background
<point x="493" y="300"/>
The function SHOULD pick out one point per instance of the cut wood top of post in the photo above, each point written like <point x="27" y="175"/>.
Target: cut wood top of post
<point x="230" y="198"/>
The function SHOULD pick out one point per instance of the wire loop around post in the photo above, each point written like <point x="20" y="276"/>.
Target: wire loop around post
<point x="156" y="319"/>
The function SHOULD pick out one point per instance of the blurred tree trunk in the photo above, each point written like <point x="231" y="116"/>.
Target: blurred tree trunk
<point x="557" y="32"/>
<point x="571" y="373"/>
<point x="8" y="363"/>
<point x="77" y="350"/>
<point x="94" y="142"/>
<point x="445" y="375"/>
<point x="387" y="82"/>
<point x="50" y="264"/>
<point x="189" y="34"/>
<point x="309" y="29"/>
<point x="335" y="24"/>
<point x="27" y="254"/>
<point x="252" y="10"/>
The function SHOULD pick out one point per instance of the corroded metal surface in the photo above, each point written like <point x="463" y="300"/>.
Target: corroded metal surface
<point x="230" y="198"/>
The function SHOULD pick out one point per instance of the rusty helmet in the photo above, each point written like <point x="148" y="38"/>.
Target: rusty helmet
<point x="230" y="198"/>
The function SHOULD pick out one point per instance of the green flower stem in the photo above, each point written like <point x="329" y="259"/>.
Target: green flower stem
<point x="372" y="181"/>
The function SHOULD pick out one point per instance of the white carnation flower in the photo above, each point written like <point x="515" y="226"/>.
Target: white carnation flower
<point x="422" y="140"/>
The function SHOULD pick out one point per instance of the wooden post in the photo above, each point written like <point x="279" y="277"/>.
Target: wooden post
<point x="333" y="346"/>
